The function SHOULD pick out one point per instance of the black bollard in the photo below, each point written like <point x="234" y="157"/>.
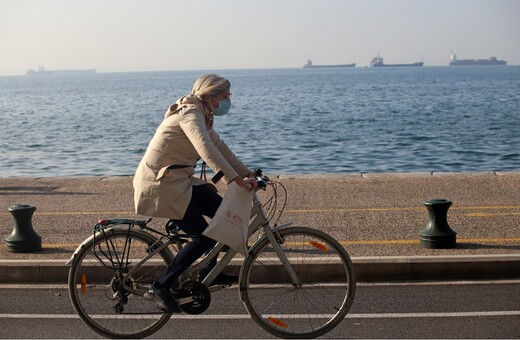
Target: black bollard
<point x="438" y="234"/>
<point x="23" y="239"/>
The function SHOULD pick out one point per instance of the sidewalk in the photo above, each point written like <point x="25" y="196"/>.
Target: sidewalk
<point x="377" y="217"/>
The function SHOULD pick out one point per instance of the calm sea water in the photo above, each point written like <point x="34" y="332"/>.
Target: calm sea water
<point x="359" y="120"/>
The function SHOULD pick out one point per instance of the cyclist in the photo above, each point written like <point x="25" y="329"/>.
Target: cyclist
<point x="165" y="185"/>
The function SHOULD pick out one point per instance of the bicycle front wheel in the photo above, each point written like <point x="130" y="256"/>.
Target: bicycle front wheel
<point x="310" y="307"/>
<point x="105" y="296"/>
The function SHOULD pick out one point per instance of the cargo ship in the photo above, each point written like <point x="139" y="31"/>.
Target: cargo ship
<point x="310" y="65"/>
<point x="492" y="61"/>
<point x="42" y="71"/>
<point x="379" y="62"/>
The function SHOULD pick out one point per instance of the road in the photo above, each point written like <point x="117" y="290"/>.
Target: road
<point x="477" y="309"/>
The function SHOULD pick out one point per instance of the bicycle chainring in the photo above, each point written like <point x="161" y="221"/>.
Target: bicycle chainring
<point x="200" y="294"/>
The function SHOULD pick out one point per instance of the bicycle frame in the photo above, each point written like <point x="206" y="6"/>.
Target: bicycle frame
<point x="259" y="221"/>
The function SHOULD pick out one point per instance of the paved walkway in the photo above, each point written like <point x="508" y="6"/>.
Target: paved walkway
<point x="377" y="217"/>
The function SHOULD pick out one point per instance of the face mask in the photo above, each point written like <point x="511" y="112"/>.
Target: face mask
<point x="223" y="107"/>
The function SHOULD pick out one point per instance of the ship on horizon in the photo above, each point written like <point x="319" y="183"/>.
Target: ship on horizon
<point x="310" y="65"/>
<point x="42" y="71"/>
<point x="379" y="62"/>
<point x="491" y="61"/>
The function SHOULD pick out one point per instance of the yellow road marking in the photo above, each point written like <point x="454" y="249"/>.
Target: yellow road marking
<point x="100" y="213"/>
<point x="462" y="240"/>
<point x="496" y="207"/>
<point x="491" y="214"/>
<point x="491" y="240"/>
<point x="89" y="213"/>
<point x="489" y="207"/>
<point x="349" y="210"/>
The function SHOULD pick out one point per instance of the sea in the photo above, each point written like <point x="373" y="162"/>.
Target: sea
<point x="285" y="121"/>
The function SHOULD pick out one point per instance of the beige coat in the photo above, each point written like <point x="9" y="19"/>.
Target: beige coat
<point x="184" y="136"/>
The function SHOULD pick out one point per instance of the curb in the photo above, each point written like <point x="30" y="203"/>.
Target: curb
<point x="367" y="269"/>
<point x="455" y="267"/>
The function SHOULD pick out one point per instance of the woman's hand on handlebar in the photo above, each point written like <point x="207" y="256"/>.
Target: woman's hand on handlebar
<point x="246" y="183"/>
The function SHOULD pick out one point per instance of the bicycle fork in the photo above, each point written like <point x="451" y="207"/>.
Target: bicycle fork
<point x="276" y="240"/>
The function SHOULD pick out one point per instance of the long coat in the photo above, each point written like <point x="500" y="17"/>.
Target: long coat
<point x="185" y="135"/>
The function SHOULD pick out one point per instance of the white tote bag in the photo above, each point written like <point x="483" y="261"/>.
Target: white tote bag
<point x="231" y="221"/>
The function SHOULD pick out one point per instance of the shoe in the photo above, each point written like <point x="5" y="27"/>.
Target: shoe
<point x="163" y="299"/>
<point x="224" y="279"/>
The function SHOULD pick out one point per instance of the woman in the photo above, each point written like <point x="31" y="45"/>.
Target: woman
<point x="164" y="182"/>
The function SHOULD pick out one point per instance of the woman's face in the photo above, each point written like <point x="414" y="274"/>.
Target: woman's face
<point x="224" y="95"/>
<point x="214" y="100"/>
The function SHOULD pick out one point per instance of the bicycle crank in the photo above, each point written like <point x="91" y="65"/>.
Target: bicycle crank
<point x="193" y="297"/>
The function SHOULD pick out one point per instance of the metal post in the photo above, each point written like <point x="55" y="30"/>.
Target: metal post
<point x="438" y="234"/>
<point x="23" y="239"/>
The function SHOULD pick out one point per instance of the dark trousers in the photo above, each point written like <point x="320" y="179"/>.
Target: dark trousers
<point x="204" y="202"/>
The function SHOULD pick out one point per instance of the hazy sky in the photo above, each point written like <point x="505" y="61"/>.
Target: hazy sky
<point x="128" y="35"/>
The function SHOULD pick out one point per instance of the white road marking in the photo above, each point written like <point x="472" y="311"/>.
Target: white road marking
<point x="246" y="316"/>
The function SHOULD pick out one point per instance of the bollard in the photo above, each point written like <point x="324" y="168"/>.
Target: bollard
<point x="23" y="239"/>
<point x="438" y="233"/>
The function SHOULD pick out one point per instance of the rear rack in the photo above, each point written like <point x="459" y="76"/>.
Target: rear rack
<point x="140" y="223"/>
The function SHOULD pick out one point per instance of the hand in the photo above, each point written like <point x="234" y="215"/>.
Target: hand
<point x="246" y="183"/>
<point x="251" y="183"/>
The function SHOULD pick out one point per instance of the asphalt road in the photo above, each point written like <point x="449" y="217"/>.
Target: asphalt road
<point x="406" y="310"/>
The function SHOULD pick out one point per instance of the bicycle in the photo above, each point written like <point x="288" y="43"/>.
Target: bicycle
<point x="295" y="282"/>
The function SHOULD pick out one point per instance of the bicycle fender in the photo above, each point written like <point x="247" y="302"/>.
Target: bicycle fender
<point x="81" y="246"/>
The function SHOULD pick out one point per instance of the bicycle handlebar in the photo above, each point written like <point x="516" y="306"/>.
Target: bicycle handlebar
<point x="261" y="180"/>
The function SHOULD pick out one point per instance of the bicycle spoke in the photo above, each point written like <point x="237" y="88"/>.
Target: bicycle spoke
<point x="107" y="298"/>
<point x="317" y="305"/>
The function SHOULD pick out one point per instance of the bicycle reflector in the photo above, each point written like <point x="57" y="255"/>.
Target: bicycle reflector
<point x="319" y="246"/>
<point x="277" y="322"/>
<point x="83" y="284"/>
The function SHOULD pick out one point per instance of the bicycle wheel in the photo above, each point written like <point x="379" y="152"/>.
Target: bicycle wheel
<point x="97" y="280"/>
<point x="315" y="306"/>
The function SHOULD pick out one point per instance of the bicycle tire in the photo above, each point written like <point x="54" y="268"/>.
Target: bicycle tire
<point x="324" y="297"/>
<point x="92" y="285"/>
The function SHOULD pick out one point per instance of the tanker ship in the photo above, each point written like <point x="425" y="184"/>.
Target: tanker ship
<point x="379" y="62"/>
<point x="42" y="71"/>
<point x="492" y="61"/>
<point x="309" y="65"/>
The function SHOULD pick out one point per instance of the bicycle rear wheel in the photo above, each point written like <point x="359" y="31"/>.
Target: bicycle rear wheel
<point x="315" y="306"/>
<point x="108" y="300"/>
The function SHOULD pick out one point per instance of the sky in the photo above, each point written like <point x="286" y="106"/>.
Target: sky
<point x="164" y="35"/>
